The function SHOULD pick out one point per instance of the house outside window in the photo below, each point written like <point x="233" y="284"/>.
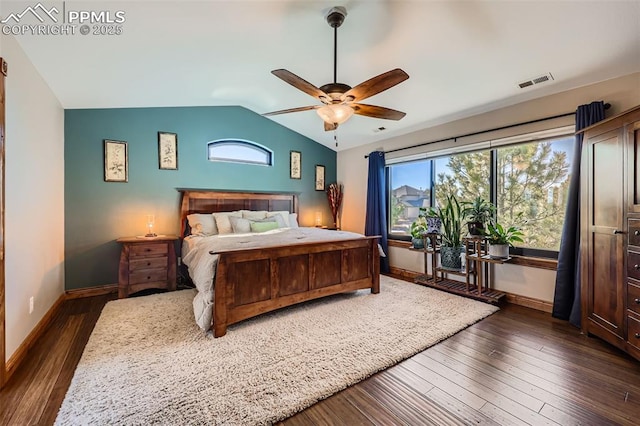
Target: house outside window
<point x="410" y="189"/>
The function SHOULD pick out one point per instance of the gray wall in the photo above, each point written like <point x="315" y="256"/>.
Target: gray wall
<point x="98" y="212"/>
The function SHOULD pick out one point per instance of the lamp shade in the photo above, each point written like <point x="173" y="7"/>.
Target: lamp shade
<point x="335" y="113"/>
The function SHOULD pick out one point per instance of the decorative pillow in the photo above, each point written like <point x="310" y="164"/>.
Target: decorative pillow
<point x="202" y="224"/>
<point x="283" y="213"/>
<point x="254" y="215"/>
<point x="293" y="220"/>
<point x="263" y="226"/>
<point x="240" y="225"/>
<point x="223" y="223"/>
<point x="279" y="220"/>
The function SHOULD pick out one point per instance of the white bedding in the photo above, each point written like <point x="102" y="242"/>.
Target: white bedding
<point x="188" y="243"/>
<point x="202" y="265"/>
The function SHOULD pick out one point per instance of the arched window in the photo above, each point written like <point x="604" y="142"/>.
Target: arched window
<point x="239" y="151"/>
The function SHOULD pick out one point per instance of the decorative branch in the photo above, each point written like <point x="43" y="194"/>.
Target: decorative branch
<point x="334" y="195"/>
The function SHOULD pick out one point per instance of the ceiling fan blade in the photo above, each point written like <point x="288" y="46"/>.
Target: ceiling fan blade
<point x="375" y="85"/>
<point x="301" y="84"/>
<point x="286" y="111"/>
<point x="377" y="111"/>
<point x="330" y="126"/>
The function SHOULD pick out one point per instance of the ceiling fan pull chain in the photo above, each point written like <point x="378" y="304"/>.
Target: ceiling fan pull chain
<point x="335" y="136"/>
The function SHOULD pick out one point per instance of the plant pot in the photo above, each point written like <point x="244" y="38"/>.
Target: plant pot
<point x="450" y="257"/>
<point x="475" y="228"/>
<point x="418" y="243"/>
<point x="433" y="225"/>
<point x="499" y="251"/>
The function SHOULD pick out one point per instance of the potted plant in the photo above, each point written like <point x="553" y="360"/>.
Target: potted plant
<point x="479" y="212"/>
<point x="451" y="246"/>
<point x="417" y="229"/>
<point x="501" y="238"/>
<point x="432" y="218"/>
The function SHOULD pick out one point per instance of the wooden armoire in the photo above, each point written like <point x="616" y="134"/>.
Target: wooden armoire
<point x="610" y="231"/>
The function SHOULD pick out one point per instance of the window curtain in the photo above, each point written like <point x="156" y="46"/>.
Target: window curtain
<point x="566" y="301"/>
<point x="376" y="214"/>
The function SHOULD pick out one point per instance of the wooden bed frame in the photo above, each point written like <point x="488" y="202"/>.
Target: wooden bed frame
<point x="250" y="282"/>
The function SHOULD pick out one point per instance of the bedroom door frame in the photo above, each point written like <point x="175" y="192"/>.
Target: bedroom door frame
<point x="3" y="364"/>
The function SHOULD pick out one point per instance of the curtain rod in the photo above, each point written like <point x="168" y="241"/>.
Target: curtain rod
<point x="455" y="138"/>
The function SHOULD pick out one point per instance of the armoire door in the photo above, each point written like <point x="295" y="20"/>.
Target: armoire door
<point x="605" y="234"/>
<point x="3" y="371"/>
<point x="633" y="164"/>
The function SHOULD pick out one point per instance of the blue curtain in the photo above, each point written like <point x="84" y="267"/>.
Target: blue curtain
<point x="566" y="301"/>
<point x="376" y="215"/>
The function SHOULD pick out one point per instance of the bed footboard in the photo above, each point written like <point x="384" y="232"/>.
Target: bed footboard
<point x="254" y="281"/>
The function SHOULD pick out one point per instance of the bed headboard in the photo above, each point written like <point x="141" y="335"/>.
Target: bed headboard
<point x="213" y="200"/>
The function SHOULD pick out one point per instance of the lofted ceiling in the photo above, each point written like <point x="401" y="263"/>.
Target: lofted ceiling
<point x="463" y="57"/>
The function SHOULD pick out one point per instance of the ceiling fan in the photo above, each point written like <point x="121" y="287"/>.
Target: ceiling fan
<point x="340" y="101"/>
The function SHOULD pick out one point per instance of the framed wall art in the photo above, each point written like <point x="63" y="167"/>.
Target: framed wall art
<point x="295" y="165"/>
<point x="116" y="161"/>
<point x="167" y="151"/>
<point x="319" y="178"/>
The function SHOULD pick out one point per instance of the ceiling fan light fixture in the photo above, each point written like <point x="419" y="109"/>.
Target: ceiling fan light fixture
<point x="340" y="100"/>
<point x="335" y="113"/>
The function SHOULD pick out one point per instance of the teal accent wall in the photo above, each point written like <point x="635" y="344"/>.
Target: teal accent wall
<point x="99" y="212"/>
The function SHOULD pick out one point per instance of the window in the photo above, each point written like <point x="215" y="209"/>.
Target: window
<point x="532" y="185"/>
<point x="528" y="183"/>
<point x="410" y="185"/>
<point x="239" y="151"/>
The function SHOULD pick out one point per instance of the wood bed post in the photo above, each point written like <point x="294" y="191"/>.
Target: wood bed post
<point x="375" y="265"/>
<point x="184" y="209"/>
<point x="220" y="299"/>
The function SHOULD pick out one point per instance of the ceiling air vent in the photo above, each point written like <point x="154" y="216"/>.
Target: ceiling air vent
<point x="536" y="80"/>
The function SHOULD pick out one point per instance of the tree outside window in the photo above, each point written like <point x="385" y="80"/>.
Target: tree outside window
<point x="532" y="187"/>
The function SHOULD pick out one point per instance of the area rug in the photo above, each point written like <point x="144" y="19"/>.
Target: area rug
<point x="147" y="362"/>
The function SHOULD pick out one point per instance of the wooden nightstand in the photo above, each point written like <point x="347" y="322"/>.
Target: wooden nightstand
<point x="146" y="263"/>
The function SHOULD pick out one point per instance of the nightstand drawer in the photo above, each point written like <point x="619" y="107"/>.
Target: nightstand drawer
<point x="150" y="250"/>
<point x="633" y="298"/>
<point x="634" y="232"/>
<point x="148" y="263"/>
<point x="149" y="275"/>
<point x="633" y="265"/>
<point x="633" y="331"/>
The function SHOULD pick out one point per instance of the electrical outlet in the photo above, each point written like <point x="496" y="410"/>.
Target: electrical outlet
<point x="31" y="305"/>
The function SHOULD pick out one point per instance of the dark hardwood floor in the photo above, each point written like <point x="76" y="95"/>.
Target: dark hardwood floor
<point x="518" y="366"/>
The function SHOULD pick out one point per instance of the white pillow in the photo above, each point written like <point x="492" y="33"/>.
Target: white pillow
<point x="223" y="223"/>
<point x="202" y="224"/>
<point x="283" y="213"/>
<point x="254" y="215"/>
<point x="293" y="220"/>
